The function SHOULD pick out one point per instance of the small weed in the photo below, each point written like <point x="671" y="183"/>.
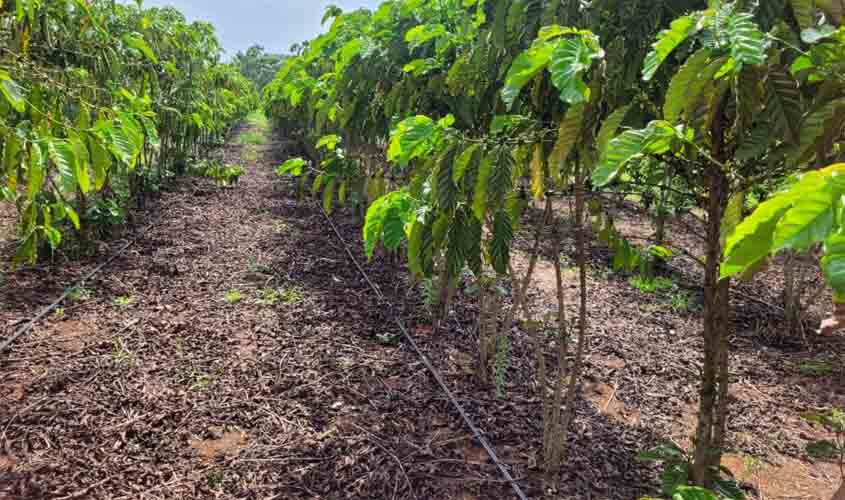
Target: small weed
<point x="681" y="302"/>
<point x="59" y="313"/>
<point x="79" y="294"/>
<point x="291" y="295"/>
<point x="269" y="297"/>
<point x="123" y="302"/>
<point x="812" y="368"/>
<point x="215" y="479"/>
<point x="652" y="285"/>
<point x="233" y="296"/>
<point x="121" y="356"/>
<point x="195" y="380"/>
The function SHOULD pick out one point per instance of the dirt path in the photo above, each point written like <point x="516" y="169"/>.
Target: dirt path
<point x="234" y="352"/>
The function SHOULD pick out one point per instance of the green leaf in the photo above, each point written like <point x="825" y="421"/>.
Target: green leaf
<point x="784" y="104"/>
<point x="668" y="40"/>
<point x="411" y="138"/>
<point x="328" y="195"/>
<point x="470" y="156"/>
<point x="693" y="493"/>
<point x="570" y="59"/>
<point x="501" y="241"/>
<point x="524" y="68"/>
<point x="677" y="96"/>
<point x="609" y="127"/>
<point x="36" y="172"/>
<point x="63" y="157"/>
<point x="424" y="33"/>
<point x="415" y="248"/>
<point x="621" y="150"/>
<point x="101" y="161"/>
<point x="808" y="222"/>
<point x="387" y="218"/>
<point x="73" y="216"/>
<point x="13" y="92"/>
<point x="833" y="267"/>
<point x="479" y="201"/>
<point x="328" y="141"/>
<point x="291" y="167"/>
<point x="136" y="41"/>
<point x="752" y="239"/>
<point x="732" y="216"/>
<point x="748" y="44"/>
<point x="568" y="134"/>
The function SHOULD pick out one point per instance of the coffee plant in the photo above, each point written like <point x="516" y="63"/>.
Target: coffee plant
<point x="103" y="101"/>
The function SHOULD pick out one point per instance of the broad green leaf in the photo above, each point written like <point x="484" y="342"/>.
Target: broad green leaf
<point x="13" y="92"/>
<point x="501" y="241"/>
<point x="36" y="173"/>
<point x="808" y="221"/>
<point x="619" y="152"/>
<point x="329" y="142"/>
<point x="784" y="104"/>
<point x="752" y="239"/>
<point x="524" y="68"/>
<point x="570" y="59"/>
<point x="291" y="167"/>
<point x="668" y="40"/>
<point x="411" y="138"/>
<point x="64" y="158"/>
<point x="833" y="262"/>
<point x="609" y="127"/>
<point x="424" y="33"/>
<point x="479" y="201"/>
<point x="677" y="96"/>
<point x="469" y="156"/>
<point x="328" y="195"/>
<point x="101" y="161"/>
<point x="568" y="134"/>
<point x="748" y="44"/>
<point x="137" y="42"/>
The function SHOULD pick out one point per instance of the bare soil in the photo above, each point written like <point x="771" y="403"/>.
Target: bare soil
<point x="179" y="391"/>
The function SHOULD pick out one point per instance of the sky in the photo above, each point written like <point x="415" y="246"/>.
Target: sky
<point x="274" y="24"/>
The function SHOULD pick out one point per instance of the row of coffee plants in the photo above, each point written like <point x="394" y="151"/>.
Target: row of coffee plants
<point x="444" y="117"/>
<point x="101" y="102"/>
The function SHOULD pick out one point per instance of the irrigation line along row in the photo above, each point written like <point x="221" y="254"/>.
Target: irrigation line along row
<point x="476" y="432"/>
<point x="44" y="312"/>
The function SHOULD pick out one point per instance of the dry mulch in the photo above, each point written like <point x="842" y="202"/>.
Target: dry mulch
<point x="156" y="383"/>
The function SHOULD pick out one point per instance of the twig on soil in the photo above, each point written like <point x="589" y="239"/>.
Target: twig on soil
<point x="375" y="441"/>
<point x="84" y="491"/>
<point x="610" y="399"/>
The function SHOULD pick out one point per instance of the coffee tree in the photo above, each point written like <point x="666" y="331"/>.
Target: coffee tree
<point x="98" y="99"/>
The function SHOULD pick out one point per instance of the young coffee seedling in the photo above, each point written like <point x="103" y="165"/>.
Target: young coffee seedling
<point x="122" y="302"/>
<point x="233" y="296"/>
<point x="676" y="476"/>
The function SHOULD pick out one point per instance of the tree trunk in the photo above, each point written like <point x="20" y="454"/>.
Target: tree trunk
<point x="713" y="393"/>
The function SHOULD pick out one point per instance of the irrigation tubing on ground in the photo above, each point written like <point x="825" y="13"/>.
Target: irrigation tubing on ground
<point x="45" y="311"/>
<point x="476" y="432"/>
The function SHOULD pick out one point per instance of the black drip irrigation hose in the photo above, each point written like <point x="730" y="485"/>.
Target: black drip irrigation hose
<point x="44" y="312"/>
<point x="476" y="432"/>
